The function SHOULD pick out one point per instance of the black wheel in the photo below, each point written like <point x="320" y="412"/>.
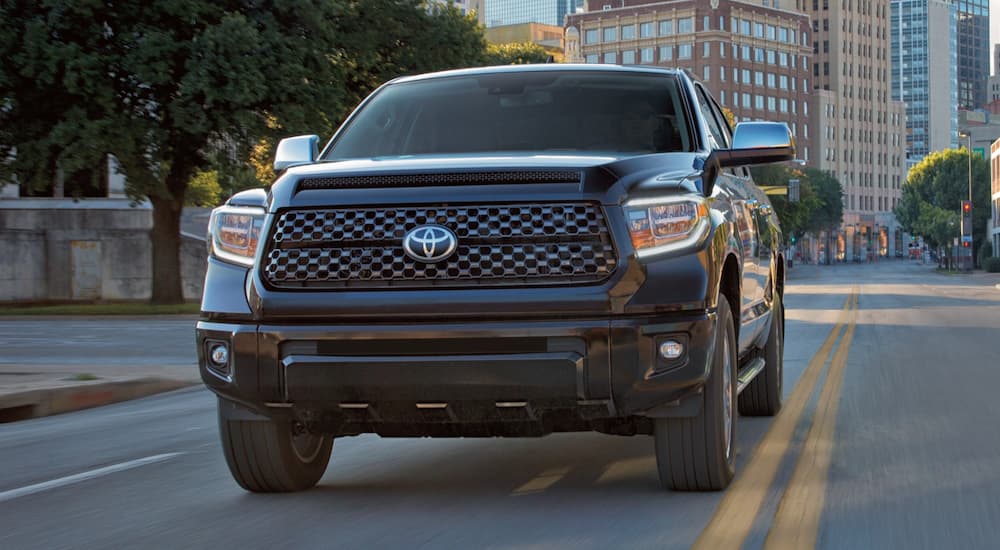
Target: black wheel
<point x="698" y="453"/>
<point x="762" y="397"/>
<point x="272" y="457"/>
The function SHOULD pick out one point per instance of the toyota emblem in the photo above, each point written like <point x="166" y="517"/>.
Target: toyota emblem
<point x="430" y="243"/>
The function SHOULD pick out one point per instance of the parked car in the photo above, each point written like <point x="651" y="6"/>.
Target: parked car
<point x="508" y="252"/>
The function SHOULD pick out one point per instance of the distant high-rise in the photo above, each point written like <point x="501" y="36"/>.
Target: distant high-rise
<point x="512" y="12"/>
<point x="973" y="30"/>
<point x="925" y="73"/>
<point x="859" y="128"/>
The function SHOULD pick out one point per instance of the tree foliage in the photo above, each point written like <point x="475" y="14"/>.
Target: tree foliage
<point x="520" y="53"/>
<point x="175" y="87"/>
<point x="932" y="195"/>
<point x="820" y="206"/>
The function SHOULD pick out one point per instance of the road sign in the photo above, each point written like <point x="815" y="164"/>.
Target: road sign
<point x="980" y="151"/>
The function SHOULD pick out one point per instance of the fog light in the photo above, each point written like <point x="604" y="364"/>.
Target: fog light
<point x="219" y="354"/>
<point x="671" y="350"/>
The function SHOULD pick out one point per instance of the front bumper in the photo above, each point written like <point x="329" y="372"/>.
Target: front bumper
<point x="389" y="378"/>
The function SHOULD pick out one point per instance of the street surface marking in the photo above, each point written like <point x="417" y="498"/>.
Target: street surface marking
<point x="541" y="482"/>
<point x="84" y="476"/>
<point x="734" y="518"/>
<point x="796" y="524"/>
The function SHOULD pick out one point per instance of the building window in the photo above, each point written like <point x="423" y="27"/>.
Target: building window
<point x="645" y="30"/>
<point x="758" y="30"/>
<point x="592" y="36"/>
<point x="783" y="35"/>
<point x="646" y="54"/>
<point x="593" y="58"/>
<point x="706" y="49"/>
<point x="758" y="101"/>
<point x="666" y="53"/>
<point x="706" y="24"/>
<point x="746" y="101"/>
<point x="783" y="82"/>
<point x="684" y="51"/>
<point x="770" y="80"/>
<point x="758" y="78"/>
<point x="610" y="34"/>
<point x="783" y="105"/>
<point x="610" y="57"/>
<point x="722" y="77"/>
<point x="746" y="52"/>
<point x="628" y="57"/>
<point x="722" y="50"/>
<point x="706" y="72"/>
<point x="746" y="76"/>
<point x="628" y="32"/>
<point x="758" y="55"/>
<point x="667" y="27"/>
<point x="770" y="57"/>
<point x="685" y="25"/>
<point x="772" y="32"/>
<point x="745" y="27"/>
<point x="771" y="104"/>
<point x="783" y="59"/>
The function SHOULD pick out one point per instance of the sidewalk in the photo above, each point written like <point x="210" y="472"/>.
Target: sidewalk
<point x="41" y="390"/>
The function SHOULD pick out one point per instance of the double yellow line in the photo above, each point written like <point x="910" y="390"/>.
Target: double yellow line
<point x="796" y="522"/>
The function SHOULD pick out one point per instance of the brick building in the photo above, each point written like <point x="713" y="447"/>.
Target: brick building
<point x="755" y="59"/>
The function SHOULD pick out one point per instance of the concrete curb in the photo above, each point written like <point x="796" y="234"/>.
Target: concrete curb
<point x="48" y="401"/>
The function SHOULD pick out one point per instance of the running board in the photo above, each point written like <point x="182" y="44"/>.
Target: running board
<point x="748" y="373"/>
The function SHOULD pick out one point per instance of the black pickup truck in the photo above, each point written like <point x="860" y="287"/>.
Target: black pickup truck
<point x="502" y="252"/>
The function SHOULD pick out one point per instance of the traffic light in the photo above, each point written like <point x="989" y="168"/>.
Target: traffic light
<point x="967" y="221"/>
<point x="793" y="239"/>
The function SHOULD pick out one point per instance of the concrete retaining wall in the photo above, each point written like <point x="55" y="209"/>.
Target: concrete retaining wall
<point x="92" y="249"/>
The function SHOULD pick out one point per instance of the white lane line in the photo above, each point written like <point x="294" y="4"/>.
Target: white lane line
<point x="84" y="476"/>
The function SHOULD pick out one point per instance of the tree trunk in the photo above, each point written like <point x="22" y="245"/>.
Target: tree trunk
<point x="166" y="238"/>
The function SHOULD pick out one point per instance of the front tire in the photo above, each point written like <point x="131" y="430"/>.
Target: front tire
<point x="698" y="453"/>
<point x="762" y="397"/>
<point x="272" y="456"/>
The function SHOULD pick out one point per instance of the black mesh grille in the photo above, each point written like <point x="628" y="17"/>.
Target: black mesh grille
<point x="459" y="178"/>
<point x="497" y="245"/>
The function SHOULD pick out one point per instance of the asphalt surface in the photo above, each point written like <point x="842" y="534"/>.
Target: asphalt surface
<point x="912" y="460"/>
<point x="108" y="341"/>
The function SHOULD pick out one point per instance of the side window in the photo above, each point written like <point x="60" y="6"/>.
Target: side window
<point x="716" y="135"/>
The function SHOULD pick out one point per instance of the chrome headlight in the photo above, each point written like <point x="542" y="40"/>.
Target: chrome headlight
<point x="666" y="224"/>
<point x="234" y="232"/>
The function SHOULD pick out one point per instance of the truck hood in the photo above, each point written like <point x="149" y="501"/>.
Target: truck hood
<point x="605" y="176"/>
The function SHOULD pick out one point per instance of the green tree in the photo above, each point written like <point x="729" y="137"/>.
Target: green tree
<point x="520" y="53"/>
<point x="175" y="87"/>
<point x="934" y="189"/>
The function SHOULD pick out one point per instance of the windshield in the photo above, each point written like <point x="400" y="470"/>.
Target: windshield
<point x="554" y="111"/>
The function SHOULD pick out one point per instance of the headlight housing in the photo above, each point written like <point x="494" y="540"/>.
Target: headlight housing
<point x="666" y="224"/>
<point x="234" y="232"/>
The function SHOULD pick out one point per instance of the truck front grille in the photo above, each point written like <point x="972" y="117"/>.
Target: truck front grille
<point x="498" y="245"/>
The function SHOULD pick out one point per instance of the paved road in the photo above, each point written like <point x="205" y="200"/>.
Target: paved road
<point x="109" y="341"/>
<point x="895" y="445"/>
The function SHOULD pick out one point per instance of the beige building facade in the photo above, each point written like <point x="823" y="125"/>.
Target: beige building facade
<point x="859" y="137"/>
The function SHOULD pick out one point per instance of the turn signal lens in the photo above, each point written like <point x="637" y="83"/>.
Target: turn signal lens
<point x="666" y="224"/>
<point x="234" y="233"/>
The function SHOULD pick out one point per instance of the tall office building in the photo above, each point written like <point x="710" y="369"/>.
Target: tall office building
<point x="859" y="126"/>
<point x="925" y="74"/>
<point x="754" y="59"/>
<point x="973" y="26"/>
<point x="513" y="12"/>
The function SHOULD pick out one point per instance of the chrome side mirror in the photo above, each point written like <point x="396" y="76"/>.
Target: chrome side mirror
<point x="758" y="143"/>
<point x="296" y="150"/>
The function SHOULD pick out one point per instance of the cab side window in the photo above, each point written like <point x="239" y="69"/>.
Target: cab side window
<point x="717" y="135"/>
